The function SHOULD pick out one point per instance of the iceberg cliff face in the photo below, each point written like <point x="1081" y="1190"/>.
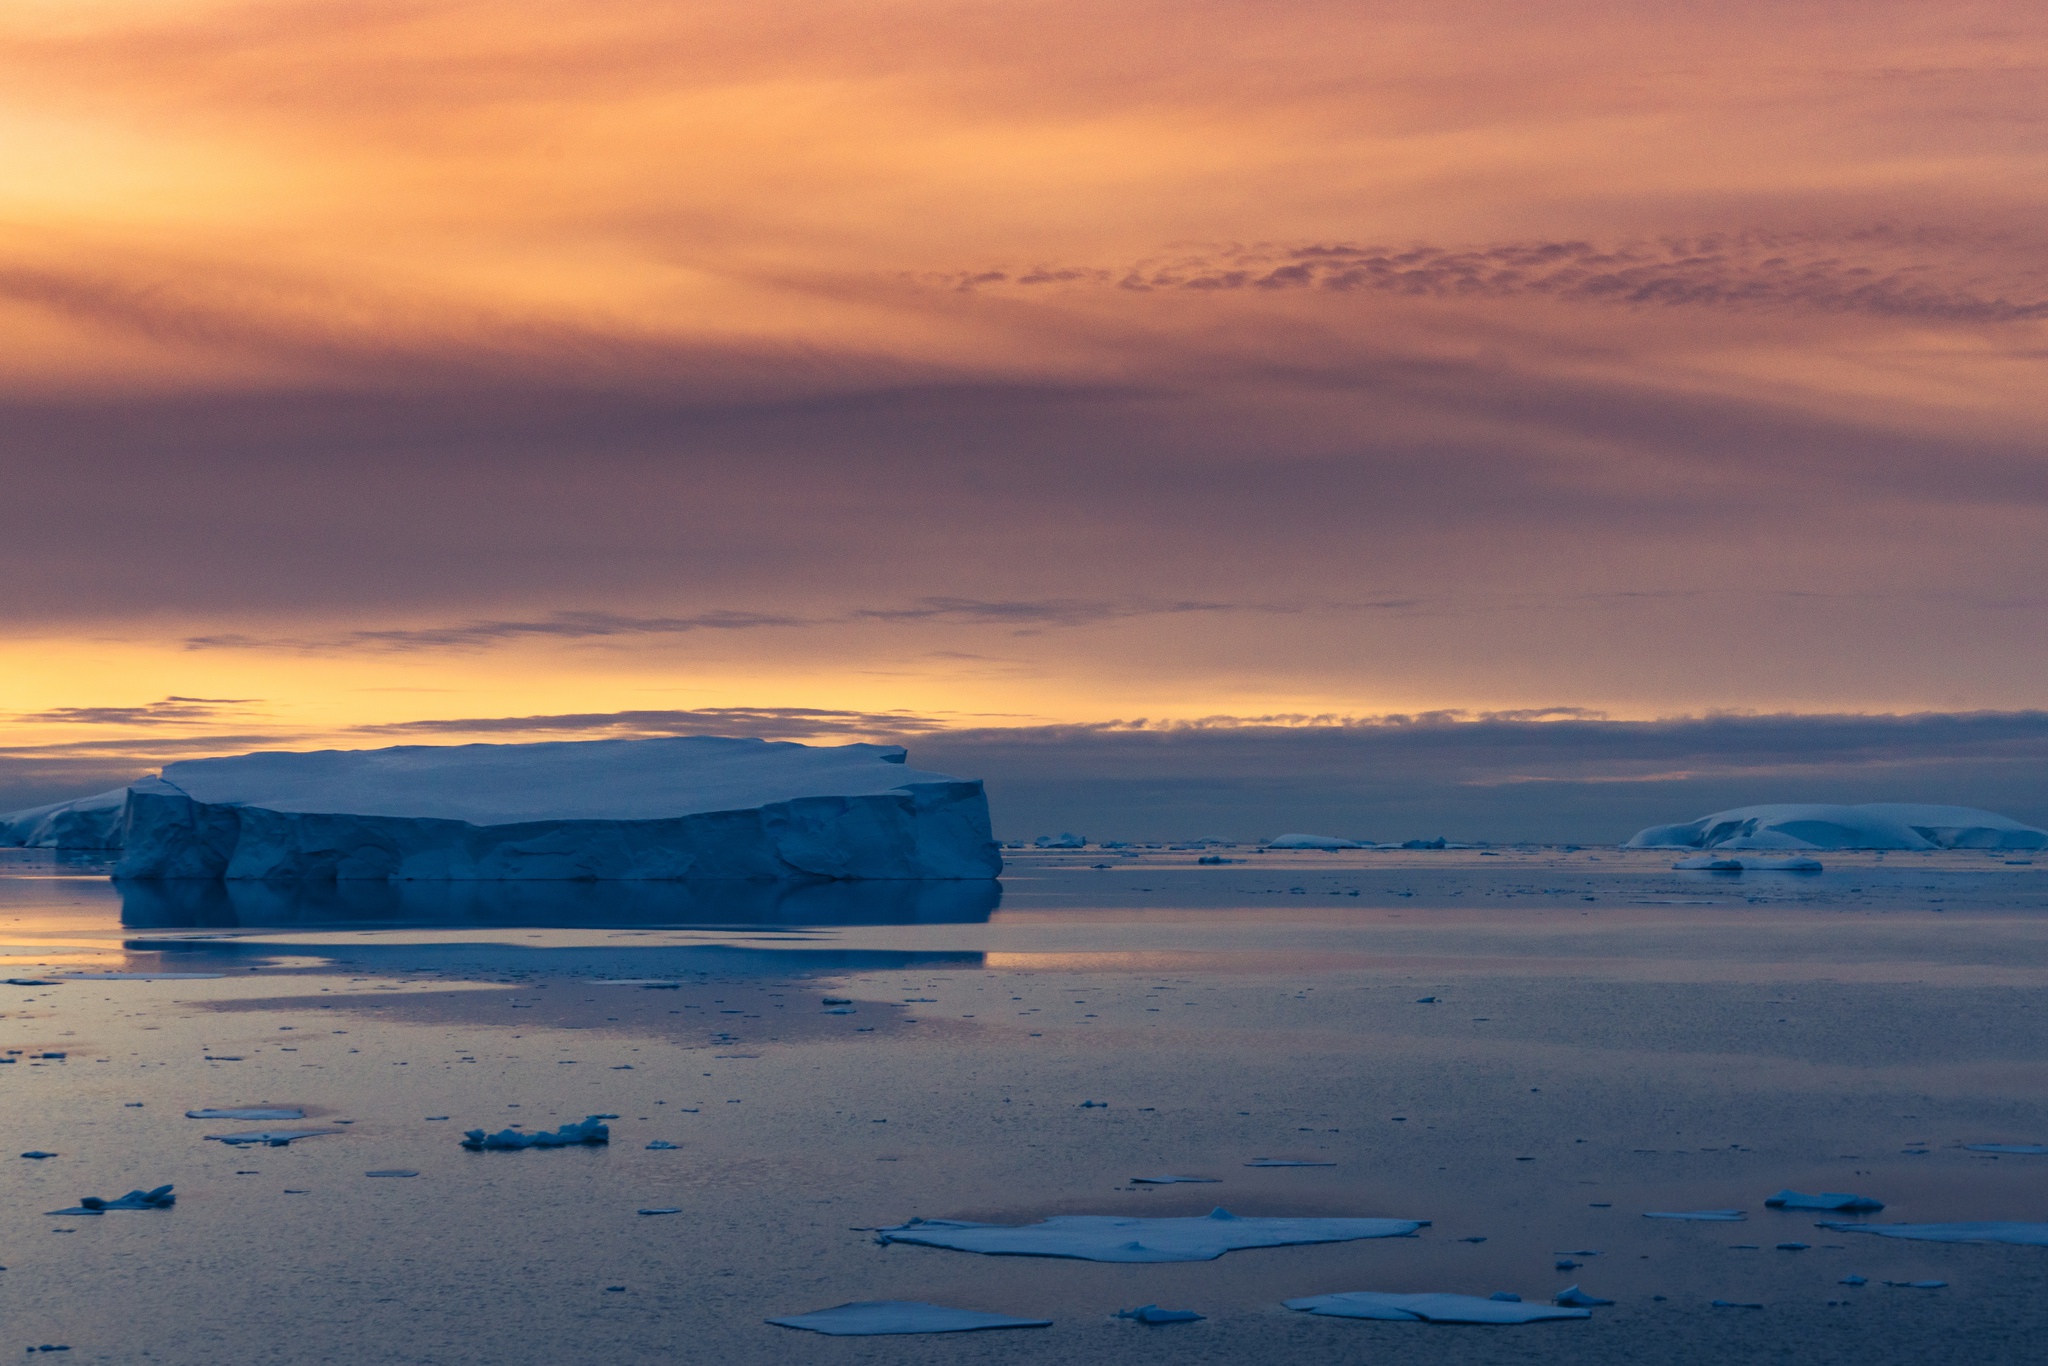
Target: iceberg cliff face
<point x="688" y="807"/>
<point x="83" y="823"/>
<point x="1874" y="825"/>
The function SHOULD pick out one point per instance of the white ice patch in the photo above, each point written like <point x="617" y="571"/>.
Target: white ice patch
<point x="1115" y="1238"/>
<point x="1430" y="1308"/>
<point x="875" y="1318"/>
<point x="2024" y="1235"/>
<point x="699" y="807"/>
<point x="1873" y="825"/>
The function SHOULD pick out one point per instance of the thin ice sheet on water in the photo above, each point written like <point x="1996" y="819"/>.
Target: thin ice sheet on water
<point x="1996" y="1231"/>
<point x="160" y="1198"/>
<point x="1705" y="1216"/>
<point x="1826" y="1200"/>
<point x="2024" y="1149"/>
<point x="1117" y="1238"/>
<point x="1430" y="1308"/>
<point x="874" y="1318"/>
<point x="273" y="1138"/>
<point x="249" y="1112"/>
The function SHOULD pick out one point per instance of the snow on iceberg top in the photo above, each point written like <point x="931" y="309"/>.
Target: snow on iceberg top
<point x="1873" y="825"/>
<point x="552" y="781"/>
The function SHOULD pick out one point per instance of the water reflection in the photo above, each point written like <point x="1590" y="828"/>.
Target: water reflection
<point x="206" y="904"/>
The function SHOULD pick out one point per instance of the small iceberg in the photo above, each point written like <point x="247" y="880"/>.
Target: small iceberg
<point x="1806" y="826"/>
<point x="1826" y="1200"/>
<point x="1116" y="1238"/>
<point x="876" y="1318"/>
<point x="1153" y="1314"/>
<point x="662" y="1145"/>
<point x="1431" y="1308"/>
<point x="275" y="1138"/>
<point x="1574" y="1298"/>
<point x="1705" y="1216"/>
<point x="2020" y="1234"/>
<point x="160" y="1198"/>
<point x="1174" y="1180"/>
<point x="2021" y="1149"/>
<point x="1313" y="842"/>
<point x="590" y="1130"/>
<point x="251" y="1112"/>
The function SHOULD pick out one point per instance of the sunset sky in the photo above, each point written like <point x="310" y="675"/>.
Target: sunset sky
<point x="419" y="369"/>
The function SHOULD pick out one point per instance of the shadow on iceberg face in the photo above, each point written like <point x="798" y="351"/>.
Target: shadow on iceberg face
<point x="201" y="903"/>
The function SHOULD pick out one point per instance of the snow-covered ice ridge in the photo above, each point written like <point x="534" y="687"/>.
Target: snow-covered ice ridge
<point x="1874" y="825"/>
<point x="82" y="823"/>
<point x="588" y="810"/>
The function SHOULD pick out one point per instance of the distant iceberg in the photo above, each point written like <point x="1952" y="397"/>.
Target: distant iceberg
<point x="1873" y="825"/>
<point x="82" y="823"/>
<point x="695" y="807"/>
<point x="1313" y="842"/>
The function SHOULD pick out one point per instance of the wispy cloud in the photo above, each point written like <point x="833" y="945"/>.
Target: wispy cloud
<point x="768" y="723"/>
<point x="171" y="711"/>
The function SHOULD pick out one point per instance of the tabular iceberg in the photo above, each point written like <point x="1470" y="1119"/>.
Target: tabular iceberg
<point x="696" y="807"/>
<point x="1873" y="825"/>
<point x="83" y="823"/>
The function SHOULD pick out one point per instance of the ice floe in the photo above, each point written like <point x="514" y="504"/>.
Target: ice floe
<point x="275" y="1138"/>
<point x="1174" y="1180"/>
<point x="875" y="1318"/>
<point x="1826" y="1200"/>
<point x="2022" y="1149"/>
<point x="248" y="1112"/>
<point x="697" y="807"/>
<point x="2023" y="1234"/>
<point x="160" y="1198"/>
<point x="1872" y="825"/>
<point x="1574" y="1298"/>
<point x="38" y="1155"/>
<point x="590" y="1130"/>
<point x="1430" y="1308"/>
<point x="1153" y="1314"/>
<point x="1705" y="1216"/>
<point x="1917" y="1285"/>
<point x="1117" y="1238"/>
<point x="1313" y="842"/>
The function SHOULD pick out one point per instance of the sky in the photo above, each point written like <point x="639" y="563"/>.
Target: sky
<point x="1004" y="377"/>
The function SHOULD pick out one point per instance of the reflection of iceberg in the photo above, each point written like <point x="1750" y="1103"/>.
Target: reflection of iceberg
<point x="195" y="904"/>
<point x="1874" y="825"/>
<point x="698" y="807"/>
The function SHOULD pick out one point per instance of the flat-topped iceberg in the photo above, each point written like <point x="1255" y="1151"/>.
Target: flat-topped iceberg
<point x="82" y="823"/>
<point x="697" y="807"/>
<point x="1873" y="825"/>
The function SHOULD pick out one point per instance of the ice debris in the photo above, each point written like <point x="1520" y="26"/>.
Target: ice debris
<point x="37" y="1154"/>
<point x="874" y="1318"/>
<point x="2024" y="1149"/>
<point x="1153" y="1314"/>
<point x="2021" y="1234"/>
<point x="1732" y="1304"/>
<point x="1917" y="1285"/>
<point x="661" y="1209"/>
<point x="662" y="1145"/>
<point x="400" y="1172"/>
<point x="1117" y="1238"/>
<point x="1313" y="842"/>
<point x="1574" y="1298"/>
<point x="1430" y="1308"/>
<point x="275" y="1138"/>
<point x="1826" y="1200"/>
<point x="246" y="1113"/>
<point x="1873" y="825"/>
<point x="160" y="1198"/>
<point x="590" y="1130"/>
<point x="1715" y="1216"/>
<point x="1854" y="1280"/>
<point x="1174" y="1180"/>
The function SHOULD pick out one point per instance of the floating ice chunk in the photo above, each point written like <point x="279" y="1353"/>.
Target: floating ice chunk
<point x="37" y="1154"/>
<point x="1714" y="1216"/>
<point x="275" y="1138"/>
<point x="874" y="1318"/>
<point x="392" y="1171"/>
<point x="1093" y="1105"/>
<point x="1285" y="1162"/>
<point x="30" y="982"/>
<point x="1064" y="840"/>
<point x="1874" y="825"/>
<point x="1174" y="1180"/>
<point x="662" y="1145"/>
<point x="250" y="1112"/>
<point x="663" y="1209"/>
<point x="1854" y="1280"/>
<point x="1313" y="842"/>
<point x="1574" y="1298"/>
<point x="1430" y="1308"/>
<point x="1917" y="1285"/>
<point x="590" y="1130"/>
<point x="1721" y="863"/>
<point x="1794" y="1247"/>
<point x="2022" y="1234"/>
<point x="1732" y="1304"/>
<point x="160" y="1198"/>
<point x="1116" y="1238"/>
<point x="1152" y="1313"/>
<point x="700" y="807"/>
<point x="2024" y="1149"/>
<point x="1826" y="1200"/>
